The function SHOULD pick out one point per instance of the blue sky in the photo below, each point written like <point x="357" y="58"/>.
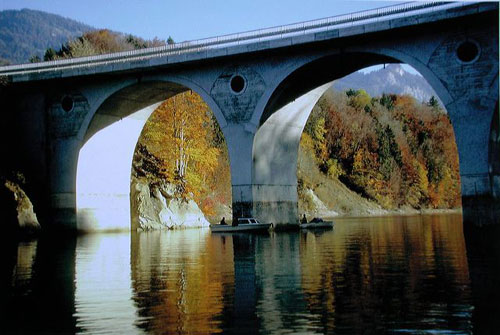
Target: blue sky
<point x="191" y="19"/>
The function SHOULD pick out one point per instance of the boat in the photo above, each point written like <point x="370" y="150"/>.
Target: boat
<point x="316" y="223"/>
<point x="244" y="224"/>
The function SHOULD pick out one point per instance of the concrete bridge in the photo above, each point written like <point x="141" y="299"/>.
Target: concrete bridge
<point x="72" y="125"/>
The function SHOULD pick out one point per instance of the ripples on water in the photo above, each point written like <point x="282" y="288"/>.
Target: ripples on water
<point x="383" y="275"/>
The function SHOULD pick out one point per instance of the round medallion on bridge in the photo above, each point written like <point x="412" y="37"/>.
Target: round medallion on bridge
<point x="237" y="84"/>
<point x="67" y="103"/>
<point x="468" y="52"/>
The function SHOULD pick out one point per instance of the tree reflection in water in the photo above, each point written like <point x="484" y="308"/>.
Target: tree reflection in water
<point x="406" y="274"/>
<point x="182" y="280"/>
<point x="399" y="274"/>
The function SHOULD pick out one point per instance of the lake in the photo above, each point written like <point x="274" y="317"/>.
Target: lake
<point x="397" y="275"/>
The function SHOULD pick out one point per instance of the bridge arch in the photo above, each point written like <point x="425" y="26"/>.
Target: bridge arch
<point x="147" y="90"/>
<point x="109" y="138"/>
<point x="282" y="120"/>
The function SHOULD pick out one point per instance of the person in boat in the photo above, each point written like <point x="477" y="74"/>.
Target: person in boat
<point x="223" y="221"/>
<point x="304" y="219"/>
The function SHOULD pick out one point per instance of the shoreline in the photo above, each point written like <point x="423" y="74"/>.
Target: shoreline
<point x="405" y="212"/>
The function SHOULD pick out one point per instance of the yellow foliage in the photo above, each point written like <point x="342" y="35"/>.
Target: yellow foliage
<point x="423" y="180"/>
<point x="178" y="134"/>
<point x="335" y="169"/>
<point x="319" y="132"/>
<point x="306" y="142"/>
<point x="360" y="100"/>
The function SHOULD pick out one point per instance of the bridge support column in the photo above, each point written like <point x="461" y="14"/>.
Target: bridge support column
<point x="239" y="139"/>
<point x="275" y="157"/>
<point x="62" y="172"/>
<point x="472" y="125"/>
<point x="494" y="154"/>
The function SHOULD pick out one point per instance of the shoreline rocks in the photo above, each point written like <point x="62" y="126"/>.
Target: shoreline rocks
<point x="26" y="217"/>
<point x="155" y="207"/>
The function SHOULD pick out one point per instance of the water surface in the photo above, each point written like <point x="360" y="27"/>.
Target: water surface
<point x="399" y="275"/>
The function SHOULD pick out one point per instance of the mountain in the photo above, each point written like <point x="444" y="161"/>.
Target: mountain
<point x="391" y="79"/>
<point x="26" y="32"/>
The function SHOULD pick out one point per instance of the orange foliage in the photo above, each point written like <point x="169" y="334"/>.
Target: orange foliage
<point x="393" y="149"/>
<point x="180" y="135"/>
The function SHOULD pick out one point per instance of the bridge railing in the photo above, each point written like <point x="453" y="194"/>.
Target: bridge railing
<point x="325" y="24"/>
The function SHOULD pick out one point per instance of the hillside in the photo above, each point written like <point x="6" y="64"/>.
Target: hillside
<point x="24" y="33"/>
<point x="391" y="149"/>
<point x="322" y="196"/>
<point x="391" y="80"/>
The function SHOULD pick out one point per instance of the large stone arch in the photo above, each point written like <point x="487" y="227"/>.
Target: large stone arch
<point x="281" y="121"/>
<point x="108" y="140"/>
<point x="285" y="113"/>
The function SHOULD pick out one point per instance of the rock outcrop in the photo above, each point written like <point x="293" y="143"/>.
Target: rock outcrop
<point x="155" y="207"/>
<point x="26" y="217"/>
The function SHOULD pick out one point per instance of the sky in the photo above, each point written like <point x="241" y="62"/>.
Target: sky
<point x="191" y="19"/>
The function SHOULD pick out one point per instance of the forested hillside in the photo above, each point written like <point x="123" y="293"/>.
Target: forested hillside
<point x="391" y="149"/>
<point x="26" y="33"/>
<point x="32" y="36"/>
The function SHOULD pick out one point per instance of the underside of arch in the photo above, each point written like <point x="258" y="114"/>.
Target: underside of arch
<point x="318" y="73"/>
<point x="129" y="100"/>
<point x="276" y="142"/>
<point x="105" y="158"/>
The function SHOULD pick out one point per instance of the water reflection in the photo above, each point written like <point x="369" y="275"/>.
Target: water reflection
<point x="407" y="275"/>
<point x="23" y="268"/>
<point x="181" y="279"/>
<point x="483" y="253"/>
<point x="37" y="286"/>
<point x="103" y="295"/>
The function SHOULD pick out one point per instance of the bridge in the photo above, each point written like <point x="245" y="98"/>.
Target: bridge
<point x="261" y="86"/>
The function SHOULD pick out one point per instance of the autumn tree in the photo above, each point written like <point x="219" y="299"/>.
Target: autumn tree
<point x="99" y="42"/>
<point x="179" y="135"/>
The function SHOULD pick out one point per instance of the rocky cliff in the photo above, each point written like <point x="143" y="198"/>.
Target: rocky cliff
<point x="26" y="217"/>
<point x="155" y="207"/>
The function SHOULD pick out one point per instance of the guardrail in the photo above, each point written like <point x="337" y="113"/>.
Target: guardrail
<point x="325" y="24"/>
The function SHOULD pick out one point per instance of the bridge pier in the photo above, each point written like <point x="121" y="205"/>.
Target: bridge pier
<point x="239" y="139"/>
<point x="275" y="155"/>
<point x="62" y="172"/>
<point x="484" y="209"/>
<point x="474" y="132"/>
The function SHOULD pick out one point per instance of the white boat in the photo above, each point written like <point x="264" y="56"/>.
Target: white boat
<point x="317" y="224"/>
<point x="244" y="224"/>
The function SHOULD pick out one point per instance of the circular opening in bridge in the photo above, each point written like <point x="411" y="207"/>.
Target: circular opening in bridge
<point x="468" y="52"/>
<point x="237" y="84"/>
<point x="67" y="103"/>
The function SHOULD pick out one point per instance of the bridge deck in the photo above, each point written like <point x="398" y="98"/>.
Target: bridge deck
<point x="379" y="19"/>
